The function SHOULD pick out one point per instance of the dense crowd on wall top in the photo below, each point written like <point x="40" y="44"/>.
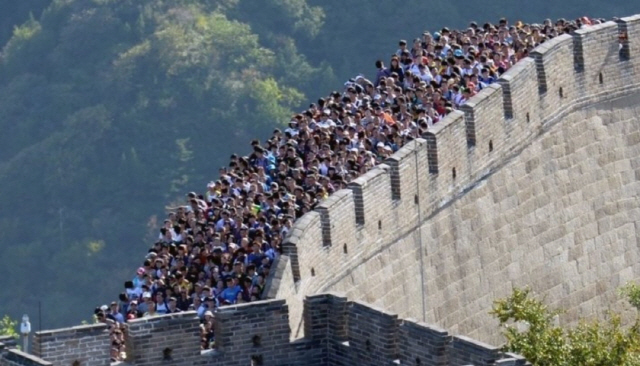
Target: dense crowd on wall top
<point x="218" y="248"/>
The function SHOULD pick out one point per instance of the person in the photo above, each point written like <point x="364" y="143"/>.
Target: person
<point x="173" y="306"/>
<point x="207" y="334"/>
<point x="143" y="304"/>
<point x="395" y="67"/>
<point x="161" y="305"/>
<point x="383" y="72"/>
<point x="134" y="312"/>
<point x="230" y="294"/>
<point x="200" y="306"/>
<point x="151" y="309"/>
<point x="402" y="44"/>
<point x="114" y="313"/>
<point x="118" y="347"/>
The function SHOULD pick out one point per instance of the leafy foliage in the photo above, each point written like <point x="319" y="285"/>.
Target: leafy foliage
<point x="531" y="330"/>
<point x="14" y="13"/>
<point x="632" y="292"/>
<point x="8" y="327"/>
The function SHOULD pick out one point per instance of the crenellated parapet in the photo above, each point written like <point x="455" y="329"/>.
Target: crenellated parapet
<point x="394" y="199"/>
<point x="337" y="332"/>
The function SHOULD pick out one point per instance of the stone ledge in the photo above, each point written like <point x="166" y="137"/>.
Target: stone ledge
<point x="8" y="341"/>
<point x="414" y="325"/>
<point x="633" y="18"/>
<point x="255" y="306"/>
<point x="363" y="180"/>
<point x="25" y="359"/>
<point x="335" y="199"/>
<point x="183" y="315"/>
<point x="473" y="344"/>
<point x="77" y="329"/>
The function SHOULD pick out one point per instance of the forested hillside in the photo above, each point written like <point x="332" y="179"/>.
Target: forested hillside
<point x="112" y="109"/>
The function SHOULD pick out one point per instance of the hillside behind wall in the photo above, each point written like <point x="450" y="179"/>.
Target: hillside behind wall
<point x="405" y="236"/>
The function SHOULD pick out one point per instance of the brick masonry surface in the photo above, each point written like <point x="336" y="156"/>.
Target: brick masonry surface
<point x="532" y="182"/>
<point x="88" y="345"/>
<point x="338" y="332"/>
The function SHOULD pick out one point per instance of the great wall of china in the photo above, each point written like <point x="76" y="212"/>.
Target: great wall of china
<point x="533" y="182"/>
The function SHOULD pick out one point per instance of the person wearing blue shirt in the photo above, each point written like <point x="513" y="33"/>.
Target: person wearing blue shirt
<point x="230" y="294"/>
<point x="115" y="314"/>
<point x="485" y="77"/>
<point x="271" y="159"/>
<point x="260" y="159"/>
<point x="200" y="307"/>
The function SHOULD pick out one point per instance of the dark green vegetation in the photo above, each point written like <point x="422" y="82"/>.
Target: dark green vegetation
<point x="111" y="109"/>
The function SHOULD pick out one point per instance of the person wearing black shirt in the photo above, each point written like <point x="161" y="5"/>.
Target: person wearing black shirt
<point x="133" y="312"/>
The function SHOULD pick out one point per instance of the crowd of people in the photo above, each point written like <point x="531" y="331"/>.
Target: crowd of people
<point x="218" y="248"/>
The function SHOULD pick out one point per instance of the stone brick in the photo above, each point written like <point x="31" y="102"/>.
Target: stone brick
<point x="88" y="344"/>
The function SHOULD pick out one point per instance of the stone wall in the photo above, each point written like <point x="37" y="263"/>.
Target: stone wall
<point x="257" y="332"/>
<point x="85" y="345"/>
<point x="14" y="357"/>
<point x="337" y="332"/>
<point x="532" y="183"/>
<point x="168" y="338"/>
<point x="354" y="333"/>
<point x="11" y="356"/>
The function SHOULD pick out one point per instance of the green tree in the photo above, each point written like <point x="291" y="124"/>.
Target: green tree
<point x="15" y="13"/>
<point x="531" y="330"/>
<point x="631" y="291"/>
<point x="8" y="327"/>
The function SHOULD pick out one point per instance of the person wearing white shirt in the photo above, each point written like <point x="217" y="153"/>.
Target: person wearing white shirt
<point x="446" y="47"/>
<point x="467" y="69"/>
<point x="326" y="123"/>
<point x="424" y="74"/>
<point x="293" y="128"/>
<point x="436" y="76"/>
